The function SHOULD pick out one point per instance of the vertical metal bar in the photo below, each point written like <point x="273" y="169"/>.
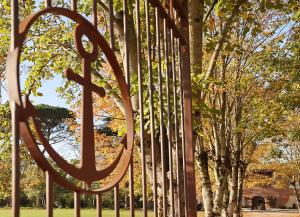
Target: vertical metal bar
<point x="141" y="107"/>
<point x="14" y="22"/>
<point x="15" y="121"/>
<point x="189" y="148"/>
<point x="151" y="105"/>
<point x="161" y="115"/>
<point x="125" y="14"/>
<point x="95" y="13"/>
<point x="74" y="5"/>
<point x="49" y="194"/>
<point x="131" y="188"/>
<point x="182" y="124"/>
<point x="117" y="201"/>
<point x="169" y="132"/>
<point x="48" y="3"/>
<point x="111" y="24"/>
<point x="176" y="131"/>
<point x="127" y="76"/>
<point x="76" y="204"/>
<point x="99" y="205"/>
<point x="15" y="161"/>
<point x="187" y="100"/>
<point x="171" y="8"/>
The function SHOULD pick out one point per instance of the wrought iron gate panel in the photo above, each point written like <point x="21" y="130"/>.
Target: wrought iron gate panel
<point x="167" y="94"/>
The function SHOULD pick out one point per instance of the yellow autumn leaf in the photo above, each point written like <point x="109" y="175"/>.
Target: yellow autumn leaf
<point x="211" y="25"/>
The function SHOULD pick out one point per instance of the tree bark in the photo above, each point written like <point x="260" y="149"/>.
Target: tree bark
<point x="37" y="201"/>
<point x="224" y="212"/>
<point x="196" y="12"/>
<point x="132" y="52"/>
<point x="240" y="191"/>
<point x="207" y="194"/>
<point x="233" y="190"/>
<point x="294" y="184"/>
<point x="221" y="179"/>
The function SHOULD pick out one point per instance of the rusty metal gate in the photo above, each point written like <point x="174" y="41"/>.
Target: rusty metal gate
<point x="169" y="149"/>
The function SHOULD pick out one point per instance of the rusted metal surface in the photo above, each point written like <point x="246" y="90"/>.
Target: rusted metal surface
<point x="161" y="114"/>
<point x="76" y="204"/>
<point x="87" y="137"/>
<point x="166" y="144"/>
<point x="117" y="201"/>
<point x="126" y="61"/>
<point x="151" y="105"/>
<point x="176" y="123"/>
<point x="188" y="129"/>
<point x="171" y="24"/>
<point x="49" y="194"/>
<point x="74" y="5"/>
<point x="168" y="116"/>
<point x="177" y="5"/>
<point x="95" y="13"/>
<point x="131" y="188"/>
<point x="48" y="3"/>
<point x="99" y="205"/>
<point x="182" y="129"/>
<point x="111" y="25"/>
<point x="127" y="78"/>
<point x="141" y="100"/>
<point x="15" y="162"/>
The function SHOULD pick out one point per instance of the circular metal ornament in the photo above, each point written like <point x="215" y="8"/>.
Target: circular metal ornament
<point x="87" y="172"/>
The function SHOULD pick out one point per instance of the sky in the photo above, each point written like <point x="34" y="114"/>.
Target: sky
<point x="50" y="96"/>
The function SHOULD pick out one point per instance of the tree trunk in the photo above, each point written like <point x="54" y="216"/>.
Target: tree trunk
<point x="132" y="52"/>
<point x="160" y="203"/>
<point x="8" y="202"/>
<point x="240" y="191"/>
<point x="37" y="201"/>
<point x="126" y="203"/>
<point x="233" y="190"/>
<point x="224" y="212"/>
<point x="196" y="11"/>
<point x="179" y="200"/>
<point x="221" y="179"/>
<point x="294" y="184"/>
<point x="207" y="195"/>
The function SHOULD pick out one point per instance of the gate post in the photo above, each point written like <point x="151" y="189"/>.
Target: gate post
<point x="190" y="194"/>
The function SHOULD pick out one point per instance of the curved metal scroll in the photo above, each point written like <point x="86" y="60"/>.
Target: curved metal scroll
<point x="87" y="171"/>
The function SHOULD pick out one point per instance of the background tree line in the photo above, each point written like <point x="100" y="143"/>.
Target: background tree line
<point x="245" y="74"/>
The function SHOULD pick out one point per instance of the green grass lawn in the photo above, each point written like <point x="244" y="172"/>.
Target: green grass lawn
<point x="26" y="212"/>
<point x="29" y="212"/>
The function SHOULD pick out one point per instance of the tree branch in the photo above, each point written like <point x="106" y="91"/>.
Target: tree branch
<point x="117" y="99"/>
<point x="221" y="41"/>
<point x="210" y="10"/>
<point x="106" y="9"/>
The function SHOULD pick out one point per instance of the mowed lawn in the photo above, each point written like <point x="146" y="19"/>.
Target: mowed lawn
<point x="67" y="213"/>
<point x="27" y="212"/>
<point x="282" y="213"/>
<point x="124" y="213"/>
